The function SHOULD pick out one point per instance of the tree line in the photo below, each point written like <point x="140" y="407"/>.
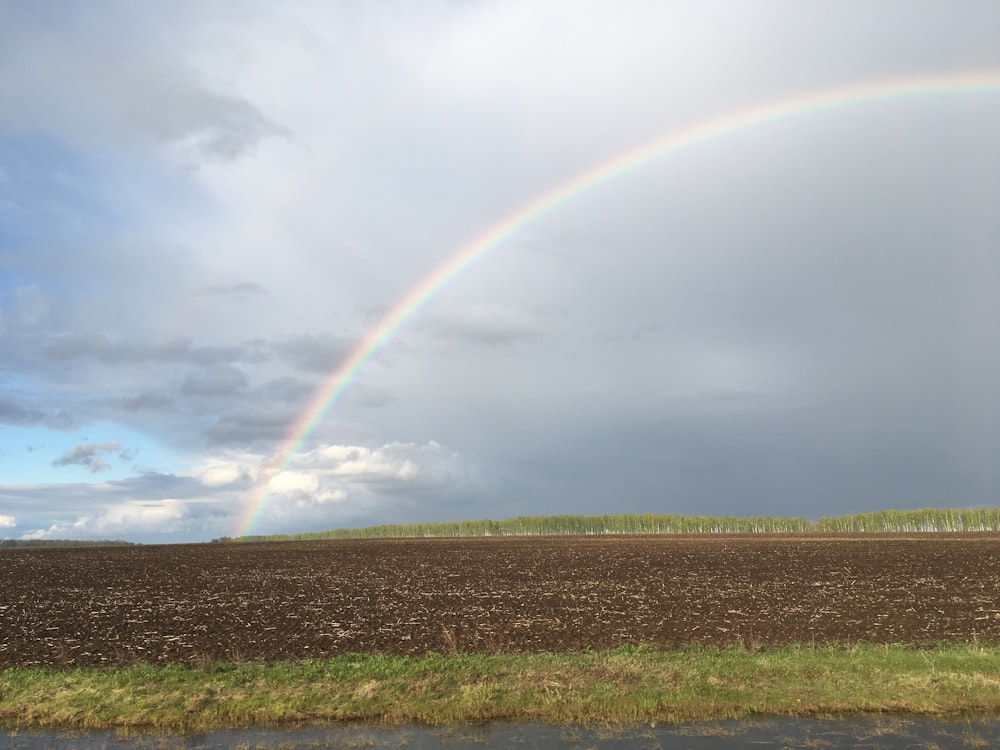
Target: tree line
<point x="922" y="520"/>
<point x="62" y="543"/>
<point x="622" y="523"/>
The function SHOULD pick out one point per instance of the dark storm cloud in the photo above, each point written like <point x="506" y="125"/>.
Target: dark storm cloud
<point x="92" y="346"/>
<point x="151" y="98"/>
<point x="487" y="326"/>
<point x="149" y="486"/>
<point x="29" y="307"/>
<point x="101" y="347"/>
<point x="61" y="420"/>
<point x="249" y="427"/>
<point x="20" y="415"/>
<point x="313" y="353"/>
<point x="242" y="292"/>
<point x="144" y="401"/>
<point x="219" y="355"/>
<point x="16" y="414"/>
<point x="153" y="484"/>
<point x="217" y="125"/>
<point x="360" y="394"/>
<point x="220" y="380"/>
<point x="287" y="389"/>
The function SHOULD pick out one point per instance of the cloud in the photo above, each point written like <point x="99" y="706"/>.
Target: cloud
<point x="286" y="388"/>
<point x="226" y="472"/>
<point x="293" y="482"/>
<point x="320" y="354"/>
<point x="304" y="489"/>
<point x="104" y="348"/>
<point x="490" y="326"/>
<point x="358" y="463"/>
<point x="7" y="522"/>
<point x="243" y="292"/>
<point x="194" y="241"/>
<point x="16" y="414"/>
<point x="92" y="345"/>
<point x="151" y="100"/>
<point x="207" y="123"/>
<point x="144" y="401"/>
<point x="393" y="463"/>
<point x="150" y="507"/>
<point x="334" y="483"/>
<point x="127" y="518"/>
<point x="249" y="426"/>
<point x="368" y="396"/>
<point x="91" y="455"/>
<point x="29" y="307"/>
<point x="220" y="380"/>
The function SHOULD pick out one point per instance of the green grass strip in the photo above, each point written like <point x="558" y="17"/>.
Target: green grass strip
<point x="629" y="684"/>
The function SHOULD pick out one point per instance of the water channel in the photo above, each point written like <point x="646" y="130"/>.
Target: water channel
<point x="881" y="733"/>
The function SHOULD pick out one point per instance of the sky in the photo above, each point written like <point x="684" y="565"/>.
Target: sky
<point x="208" y="208"/>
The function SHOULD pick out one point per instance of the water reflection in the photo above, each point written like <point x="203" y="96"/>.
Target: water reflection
<point x="885" y="734"/>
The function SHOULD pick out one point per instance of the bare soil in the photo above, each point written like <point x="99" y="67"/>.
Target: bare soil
<point x="196" y="604"/>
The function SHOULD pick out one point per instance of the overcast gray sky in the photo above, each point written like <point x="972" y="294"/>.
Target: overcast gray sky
<point x="206" y="206"/>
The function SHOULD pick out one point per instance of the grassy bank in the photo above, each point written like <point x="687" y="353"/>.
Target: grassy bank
<point x="626" y="685"/>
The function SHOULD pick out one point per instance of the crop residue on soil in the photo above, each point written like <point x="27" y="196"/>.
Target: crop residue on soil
<point x="291" y="600"/>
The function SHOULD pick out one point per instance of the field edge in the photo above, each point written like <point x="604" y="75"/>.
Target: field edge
<point x="627" y="685"/>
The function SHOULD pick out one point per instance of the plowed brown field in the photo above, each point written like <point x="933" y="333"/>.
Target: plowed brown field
<point x="271" y="601"/>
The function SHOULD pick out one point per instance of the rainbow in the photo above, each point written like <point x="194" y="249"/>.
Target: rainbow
<point x="376" y="338"/>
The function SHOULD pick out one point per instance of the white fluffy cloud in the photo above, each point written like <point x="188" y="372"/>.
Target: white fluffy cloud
<point x="221" y="476"/>
<point x="332" y="484"/>
<point x="305" y="488"/>
<point x="7" y="522"/>
<point x="361" y="464"/>
<point x="297" y="482"/>
<point x="394" y="462"/>
<point x="128" y="518"/>
<point x="334" y="468"/>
